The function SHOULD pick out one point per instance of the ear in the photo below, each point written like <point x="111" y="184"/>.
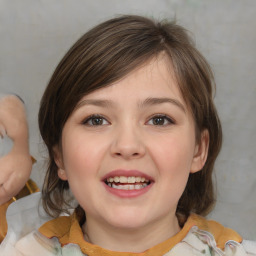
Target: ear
<point x="59" y="162"/>
<point x="62" y="174"/>
<point x="201" y="152"/>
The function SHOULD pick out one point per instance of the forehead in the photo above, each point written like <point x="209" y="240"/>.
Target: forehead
<point x="154" y="77"/>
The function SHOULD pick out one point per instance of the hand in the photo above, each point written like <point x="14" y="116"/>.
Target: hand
<point x="13" y="120"/>
<point x="15" y="167"/>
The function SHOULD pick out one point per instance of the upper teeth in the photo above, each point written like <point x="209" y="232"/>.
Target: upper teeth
<point x="123" y="179"/>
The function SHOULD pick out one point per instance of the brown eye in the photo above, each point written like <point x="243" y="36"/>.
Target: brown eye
<point x="95" y="121"/>
<point x="160" y="120"/>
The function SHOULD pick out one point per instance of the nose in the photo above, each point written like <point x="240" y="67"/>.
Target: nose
<point x="127" y="143"/>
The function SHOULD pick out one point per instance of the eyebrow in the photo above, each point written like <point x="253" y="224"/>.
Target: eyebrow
<point x="156" y="101"/>
<point x="95" y="102"/>
<point x="145" y="103"/>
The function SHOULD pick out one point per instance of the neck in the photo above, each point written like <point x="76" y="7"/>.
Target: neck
<point x="126" y="239"/>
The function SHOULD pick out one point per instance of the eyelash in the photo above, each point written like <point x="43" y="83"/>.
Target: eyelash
<point x="167" y="120"/>
<point x="91" y="118"/>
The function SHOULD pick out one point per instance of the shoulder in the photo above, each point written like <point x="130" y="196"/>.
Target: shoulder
<point x="220" y="233"/>
<point x="67" y="230"/>
<point x="59" y="227"/>
<point x="23" y="217"/>
<point x="18" y="205"/>
<point x="31" y="244"/>
<point x="208" y="237"/>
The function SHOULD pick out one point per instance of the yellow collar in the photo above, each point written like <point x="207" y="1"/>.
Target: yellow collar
<point x="68" y="230"/>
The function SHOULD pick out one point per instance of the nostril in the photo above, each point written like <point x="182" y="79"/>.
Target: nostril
<point x="127" y="149"/>
<point x="126" y="155"/>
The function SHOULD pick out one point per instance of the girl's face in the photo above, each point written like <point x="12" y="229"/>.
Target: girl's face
<point x="128" y="149"/>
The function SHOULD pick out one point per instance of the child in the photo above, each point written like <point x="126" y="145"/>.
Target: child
<point x="131" y="129"/>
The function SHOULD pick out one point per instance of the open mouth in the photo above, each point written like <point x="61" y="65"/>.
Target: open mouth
<point x="127" y="183"/>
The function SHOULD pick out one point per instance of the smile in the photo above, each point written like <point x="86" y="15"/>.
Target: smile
<point x="127" y="183"/>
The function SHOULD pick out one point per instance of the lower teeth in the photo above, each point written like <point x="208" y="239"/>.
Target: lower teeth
<point x="128" y="187"/>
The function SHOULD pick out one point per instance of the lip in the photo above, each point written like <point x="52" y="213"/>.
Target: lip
<point x="127" y="193"/>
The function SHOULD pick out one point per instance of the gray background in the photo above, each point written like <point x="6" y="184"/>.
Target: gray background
<point x="35" y="34"/>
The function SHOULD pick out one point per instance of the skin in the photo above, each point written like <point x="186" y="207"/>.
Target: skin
<point x="15" y="167"/>
<point x="128" y="138"/>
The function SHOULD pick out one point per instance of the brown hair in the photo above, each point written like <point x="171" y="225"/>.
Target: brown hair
<point x="104" y="55"/>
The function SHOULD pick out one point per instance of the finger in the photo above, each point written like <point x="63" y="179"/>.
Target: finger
<point x="2" y="131"/>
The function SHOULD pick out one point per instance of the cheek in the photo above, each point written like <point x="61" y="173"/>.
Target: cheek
<point x="82" y="155"/>
<point x="81" y="164"/>
<point x="174" y="155"/>
<point x="174" y="164"/>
